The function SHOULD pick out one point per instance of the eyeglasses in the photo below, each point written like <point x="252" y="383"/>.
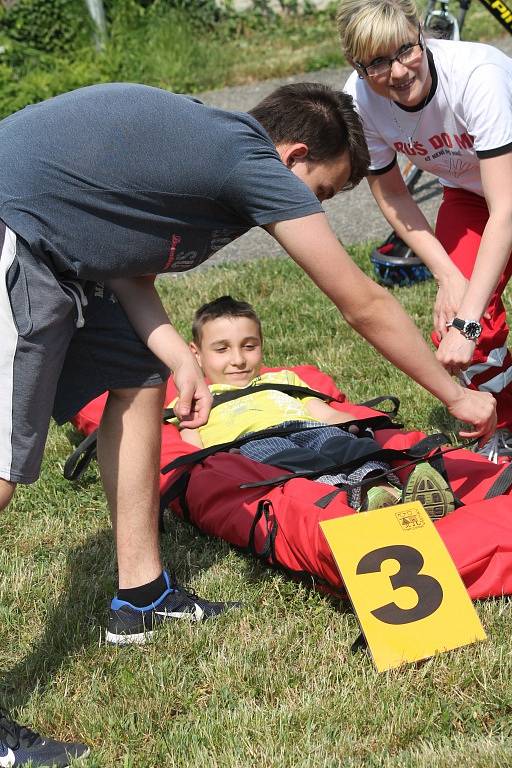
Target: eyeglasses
<point x="408" y="54"/>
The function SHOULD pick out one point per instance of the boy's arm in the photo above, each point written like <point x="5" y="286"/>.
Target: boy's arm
<point x="323" y="412"/>
<point x="192" y="436"/>
<point x="379" y="318"/>
<point x="142" y="304"/>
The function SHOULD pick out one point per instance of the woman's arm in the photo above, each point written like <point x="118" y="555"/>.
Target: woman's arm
<point x="407" y="220"/>
<point x="455" y="351"/>
<point x="142" y="304"/>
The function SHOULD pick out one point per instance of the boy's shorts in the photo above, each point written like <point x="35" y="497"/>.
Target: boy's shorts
<point x="47" y="364"/>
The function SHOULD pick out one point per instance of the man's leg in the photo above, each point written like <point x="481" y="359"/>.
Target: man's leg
<point x="36" y="321"/>
<point x="6" y="492"/>
<point x="107" y="355"/>
<point x="129" y="457"/>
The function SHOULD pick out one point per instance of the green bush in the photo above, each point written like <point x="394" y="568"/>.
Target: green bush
<point x="157" y="46"/>
<point x="57" y="26"/>
<point x="162" y="47"/>
<point x="204" y="11"/>
<point x="42" y="80"/>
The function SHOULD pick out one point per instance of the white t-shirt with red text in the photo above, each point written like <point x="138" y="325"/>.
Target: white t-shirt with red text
<point x="467" y="117"/>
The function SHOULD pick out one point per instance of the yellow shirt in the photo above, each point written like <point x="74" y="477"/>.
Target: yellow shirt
<point x="256" y="411"/>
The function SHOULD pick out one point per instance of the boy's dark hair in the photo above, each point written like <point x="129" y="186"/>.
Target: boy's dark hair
<point x="322" y="118"/>
<point x="224" y="306"/>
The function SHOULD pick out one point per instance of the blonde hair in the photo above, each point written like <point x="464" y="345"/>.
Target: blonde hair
<point x="368" y="26"/>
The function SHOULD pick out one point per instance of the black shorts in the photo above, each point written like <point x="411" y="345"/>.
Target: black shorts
<point x="48" y="365"/>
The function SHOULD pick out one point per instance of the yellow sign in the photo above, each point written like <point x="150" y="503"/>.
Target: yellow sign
<point x="407" y="594"/>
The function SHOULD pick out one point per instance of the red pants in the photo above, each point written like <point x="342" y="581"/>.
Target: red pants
<point x="460" y="223"/>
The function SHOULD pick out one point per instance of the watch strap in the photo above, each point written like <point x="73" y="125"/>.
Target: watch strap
<point x="470" y="329"/>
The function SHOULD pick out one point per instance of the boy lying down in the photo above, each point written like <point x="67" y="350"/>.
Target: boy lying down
<point x="228" y="345"/>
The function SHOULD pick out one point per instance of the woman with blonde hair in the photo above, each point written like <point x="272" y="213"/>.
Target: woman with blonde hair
<point x="447" y="107"/>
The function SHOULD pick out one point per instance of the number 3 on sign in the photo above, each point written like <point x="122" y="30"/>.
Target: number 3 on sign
<point x="409" y="599"/>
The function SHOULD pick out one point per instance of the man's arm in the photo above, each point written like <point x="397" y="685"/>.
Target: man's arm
<point x="142" y="304"/>
<point x="379" y="318"/>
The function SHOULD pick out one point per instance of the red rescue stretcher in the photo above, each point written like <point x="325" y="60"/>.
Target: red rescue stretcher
<point x="278" y="523"/>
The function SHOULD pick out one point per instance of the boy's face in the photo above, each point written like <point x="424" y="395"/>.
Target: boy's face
<point x="230" y="351"/>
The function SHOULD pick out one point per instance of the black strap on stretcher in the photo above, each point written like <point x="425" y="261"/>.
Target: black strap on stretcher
<point x="414" y="454"/>
<point x="502" y="483"/>
<point x="427" y="449"/>
<point x="366" y="428"/>
<point x="292" y="389"/>
<point x="235" y="394"/>
<point x="190" y="460"/>
<point x="78" y="461"/>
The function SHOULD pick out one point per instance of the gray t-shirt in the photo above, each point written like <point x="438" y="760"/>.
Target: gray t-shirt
<point x="126" y="180"/>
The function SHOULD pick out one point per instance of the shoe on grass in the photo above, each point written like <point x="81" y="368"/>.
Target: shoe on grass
<point x="21" y="746"/>
<point x="499" y="446"/>
<point x="128" y="624"/>
<point x="426" y="485"/>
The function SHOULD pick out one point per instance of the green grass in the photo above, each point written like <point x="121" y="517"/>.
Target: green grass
<point x="274" y="684"/>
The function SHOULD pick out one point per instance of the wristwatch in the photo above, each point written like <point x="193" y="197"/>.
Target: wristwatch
<point x="470" y="329"/>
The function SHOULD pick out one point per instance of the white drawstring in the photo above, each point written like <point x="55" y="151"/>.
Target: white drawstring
<point x="498" y="445"/>
<point x="74" y="289"/>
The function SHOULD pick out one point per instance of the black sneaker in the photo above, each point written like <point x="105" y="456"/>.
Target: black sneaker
<point x="128" y="624"/>
<point x="426" y="485"/>
<point x="21" y="746"/>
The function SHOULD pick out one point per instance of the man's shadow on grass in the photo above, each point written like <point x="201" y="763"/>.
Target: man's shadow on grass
<point x="79" y="617"/>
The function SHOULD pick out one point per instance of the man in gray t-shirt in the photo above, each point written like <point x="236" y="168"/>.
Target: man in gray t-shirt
<point x="105" y="187"/>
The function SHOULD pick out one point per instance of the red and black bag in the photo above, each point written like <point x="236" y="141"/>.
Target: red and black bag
<point x="233" y="498"/>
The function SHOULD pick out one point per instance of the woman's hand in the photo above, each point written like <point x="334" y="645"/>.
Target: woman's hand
<point x="450" y="293"/>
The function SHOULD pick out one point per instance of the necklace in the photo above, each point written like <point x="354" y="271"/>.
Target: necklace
<point x="412" y="134"/>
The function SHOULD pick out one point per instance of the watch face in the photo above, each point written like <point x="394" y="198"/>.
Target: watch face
<point x="472" y="329"/>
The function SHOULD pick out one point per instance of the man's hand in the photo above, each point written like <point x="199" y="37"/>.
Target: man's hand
<point x="476" y="408"/>
<point x="194" y="398"/>
<point x="455" y="352"/>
